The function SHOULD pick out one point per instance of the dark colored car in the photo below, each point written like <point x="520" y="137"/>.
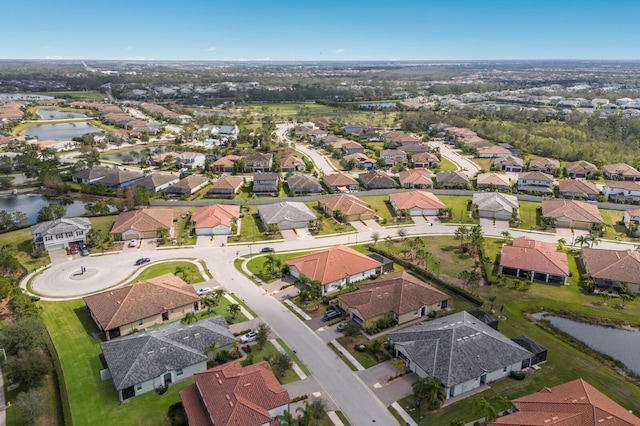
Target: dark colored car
<point x="267" y="249"/>
<point x="329" y="315"/>
<point x="142" y="261"/>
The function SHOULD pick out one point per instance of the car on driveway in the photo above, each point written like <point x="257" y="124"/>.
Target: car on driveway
<point x="341" y="326"/>
<point x="84" y="251"/>
<point x="73" y="249"/>
<point x="267" y="250"/>
<point x="332" y="314"/>
<point x="142" y="261"/>
<point x="249" y="337"/>
<point x="204" y="290"/>
<point x="133" y="243"/>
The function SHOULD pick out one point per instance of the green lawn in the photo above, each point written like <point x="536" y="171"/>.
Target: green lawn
<point x="258" y="268"/>
<point x="251" y="228"/>
<point x="329" y="225"/>
<point x="80" y="95"/>
<point x="380" y="204"/>
<point x="458" y="206"/>
<point x="21" y="239"/>
<point x="483" y="163"/>
<point x="222" y="308"/>
<point x="269" y="352"/>
<point x="191" y="273"/>
<point x="366" y="359"/>
<point x="446" y="164"/>
<point x="528" y="214"/>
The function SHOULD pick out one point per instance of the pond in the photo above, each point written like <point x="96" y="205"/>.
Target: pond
<point x="31" y="205"/>
<point x="128" y="155"/>
<point x="56" y="114"/>
<point x="622" y="345"/>
<point x="23" y="96"/>
<point x="60" y="131"/>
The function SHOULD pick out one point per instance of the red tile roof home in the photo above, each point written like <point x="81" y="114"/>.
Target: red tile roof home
<point x="339" y="179"/>
<point x="578" y="187"/>
<point x="333" y="264"/>
<point x="574" y="403"/>
<point x="145" y="220"/>
<point x="124" y="305"/>
<point x="614" y="265"/>
<point x="400" y="293"/>
<point x="233" y="395"/>
<point x="215" y="215"/>
<point x="225" y="162"/>
<point x="416" y="199"/>
<point x="347" y="204"/>
<point x="532" y="255"/>
<point x="493" y="150"/>
<point x="577" y="211"/>
<point x="415" y="177"/>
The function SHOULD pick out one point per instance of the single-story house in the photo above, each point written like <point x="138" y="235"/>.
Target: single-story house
<point x="334" y="267"/>
<point x="229" y="131"/>
<point x="187" y="186"/>
<point x="58" y="234"/>
<point x="161" y="158"/>
<point x="225" y="164"/>
<point x="620" y="171"/>
<point x="121" y="311"/>
<point x="377" y="180"/>
<point x="495" y="205"/>
<point x="492" y="151"/>
<point x="580" y="169"/>
<point x="156" y="182"/>
<point x="111" y="177"/>
<point x="544" y="165"/>
<point x="425" y="159"/>
<point x="572" y="213"/>
<point x="151" y="359"/>
<point x="622" y="190"/>
<point x="216" y="219"/>
<point x="571" y="403"/>
<point x="265" y="183"/>
<point x="486" y="318"/>
<point x="351" y="206"/>
<point x="610" y="269"/>
<point x="291" y="164"/>
<point x="418" y="203"/>
<point x="416" y="178"/>
<point x="509" y="164"/>
<point x="449" y="179"/>
<point x="535" y="182"/>
<point x="336" y="181"/>
<point x="460" y="350"/>
<point x="535" y="260"/>
<point x="286" y="215"/>
<point x="141" y="224"/>
<point x="190" y="160"/>
<point x="631" y="218"/>
<point x="493" y="180"/>
<point x="578" y="188"/>
<point x="230" y="394"/>
<point x="403" y="294"/>
<point x="226" y="186"/>
<point x="303" y="185"/>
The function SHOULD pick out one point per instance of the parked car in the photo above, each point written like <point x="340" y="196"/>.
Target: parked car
<point x="84" y="251"/>
<point x="73" y="249"/>
<point x="185" y="215"/>
<point x="249" y="337"/>
<point x="267" y="250"/>
<point x="329" y="315"/>
<point x="204" y="290"/>
<point x="133" y="243"/>
<point x="142" y="261"/>
<point x="341" y="326"/>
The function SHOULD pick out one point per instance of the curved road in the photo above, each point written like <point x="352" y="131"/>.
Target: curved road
<point x="468" y="166"/>
<point x="322" y="164"/>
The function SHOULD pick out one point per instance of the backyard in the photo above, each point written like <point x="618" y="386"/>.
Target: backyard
<point x="380" y="204"/>
<point x="251" y="228"/>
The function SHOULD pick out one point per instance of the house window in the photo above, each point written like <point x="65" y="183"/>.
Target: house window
<point x="139" y="386"/>
<point x="140" y="322"/>
<point x="504" y="370"/>
<point x="179" y="372"/>
<point x="416" y="312"/>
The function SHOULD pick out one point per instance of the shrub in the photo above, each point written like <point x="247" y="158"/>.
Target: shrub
<point x="361" y="347"/>
<point x="162" y="389"/>
<point x="518" y="375"/>
<point x="300" y="398"/>
<point x="222" y="357"/>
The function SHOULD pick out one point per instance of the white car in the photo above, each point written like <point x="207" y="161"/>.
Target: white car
<point x="133" y="243"/>
<point x="249" y="337"/>
<point x="202" y="291"/>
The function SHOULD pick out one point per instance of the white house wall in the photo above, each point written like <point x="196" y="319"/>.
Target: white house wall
<point x="157" y="382"/>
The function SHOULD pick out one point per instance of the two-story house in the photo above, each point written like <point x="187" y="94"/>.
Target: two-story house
<point x="58" y="234"/>
<point x="392" y="157"/>
<point x="509" y="164"/>
<point x="535" y="182"/>
<point x="544" y="165"/>
<point x="258" y="162"/>
<point x="190" y="160"/>
<point x="622" y="190"/>
<point x="265" y="183"/>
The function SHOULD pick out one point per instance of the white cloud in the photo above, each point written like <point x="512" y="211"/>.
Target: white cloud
<point x="55" y="57"/>
<point x="137" y="58"/>
<point x="339" y="50"/>
<point x="212" y="49"/>
<point x="262" y="59"/>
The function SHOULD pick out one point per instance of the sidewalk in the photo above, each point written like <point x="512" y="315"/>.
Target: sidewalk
<point x="242" y="309"/>
<point x="347" y="355"/>
<point x="295" y="366"/>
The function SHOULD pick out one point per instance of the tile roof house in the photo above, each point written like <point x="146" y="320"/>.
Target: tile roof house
<point x="226" y="186"/>
<point x="544" y="165"/>
<point x="416" y="178"/>
<point x="265" y="183"/>
<point x="190" y="160"/>
<point x="291" y="163"/>
<point x="225" y="164"/>
<point x="610" y="269"/>
<point x="571" y="403"/>
<point x="402" y="139"/>
<point x="580" y="169"/>
<point x="622" y="190"/>
<point x="160" y="356"/>
<point x="419" y="203"/>
<point x="230" y="394"/>
<point x="351" y="206"/>
<point x="572" y="213"/>
<point x="392" y="157"/>
<point x="493" y="181"/>
<point x="509" y="164"/>
<point x="160" y="159"/>
<point x="334" y="267"/>
<point x="449" y="179"/>
<point x="460" y="350"/>
<point x="425" y="159"/>
<point x="141" y="224"/>
<point x="216" y="219"/>
<point x="187" y="186"/>
<point x="495" y="205"/>
<point x="109" y="176"/>
<point x="620" y="171"/>
<point x="340" y="180"/>
<point x="258" y="162"/>
<point x="58" y="234"/>
<point x="631" y="218"/>
<point x="535" y="182"/>
<point x="578" y="188"/>
<point x="156" y="182"/>
<point x="403" y="294"/>
<point x="121" y="311"/>
<point x="286" y="215"/>
<point x="535" y="260"/>
<point x="303" y="185"/>
<point x="351" y="147"/>
<point x="362" y="161"/>
<point x="377" y="180"/>
<point x="492" y="151"/>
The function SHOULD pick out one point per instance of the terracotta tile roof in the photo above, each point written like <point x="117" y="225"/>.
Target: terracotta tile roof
<point x="533" y="255"/>
<point x="124" y="305"/>
<point x="510" y="161"/>
<point x="633" y="212"/>
<point x="497" y="179"/>
<point x="401" y="293"/>
<point x="333" y="264"/>
<point x="339" y="179"/>
<point x="556" y="405"/>
<point x="572" y="209"/>
<point x="415" y="177"/>
<point x="623" y="266"/>
<point x="348" y="204"/>
<point x="351" y="145"/>
<point x="403" y="138"/>
<point x="291" y="161"/>
<point x="416" y="199"/>
<point x="424" y="157"/>
<point x="376" y="180"/>
<point x="493" y="150"/>
<point x="228" y="182"/>
<point x="145" y="220"/>
<point x="234" y="395"/>
<point x="580" y="166"/>
<point x="628" y="185"/>
<point x="215" y="215"/>
<point x="578" y="186"/>
<point x="544" y="163"/>
<point x="620" y="168"/>
<point x="358" y="157"/>
<point x="226" y="161"/>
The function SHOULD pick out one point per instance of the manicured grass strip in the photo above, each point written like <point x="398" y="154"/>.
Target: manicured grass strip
<point x="191" y="273"/>
<point x="238" y="300"/>
<point x="395" y="414"/>
<point x="458" y="206"/>
<point x="339" y="353"/>
<point x="269" y="352"/>
<point x="343" y="418"/>
<point x="293" y="356"/>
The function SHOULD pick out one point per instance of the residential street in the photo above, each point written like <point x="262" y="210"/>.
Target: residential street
<point x="468" y="166"/>
<point x="322" y="164"/>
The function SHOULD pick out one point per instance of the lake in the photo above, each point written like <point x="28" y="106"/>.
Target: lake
<point x="56" y="114"/>
<point x="60" y="131"/>
<point x="119" y="156"/>
<point x="622" y="345"/>
<point x="31" y="205"/>
<point x="23" y="96"/>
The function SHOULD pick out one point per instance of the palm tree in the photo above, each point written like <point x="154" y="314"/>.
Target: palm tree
<point x="506" y="235"/>
<point x="593" y="240"/>
<point x="318" y="409"/>
<point x="582" y="240"/>
<point x="561" y="243"/>
<point x="625" y="298"/>
<point x="286" y="419"/>
<point x="181" y="271"/>
<point x="482" y="406"/>
<point x="307" y="415"/>
<point x="234" y="309"/>
<point x="461" y="232"/>
<point x="211" y="350"/>
<point x="218" y="293"/>
<point x="431" y="390"/>
<point x="189" y="318"/>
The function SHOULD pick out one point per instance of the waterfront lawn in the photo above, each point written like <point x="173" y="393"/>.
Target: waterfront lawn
<point x="21" y="239"/>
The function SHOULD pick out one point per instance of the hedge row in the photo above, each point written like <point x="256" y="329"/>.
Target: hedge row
<point x="428" y="276"/>
<point x="62" y="384"/>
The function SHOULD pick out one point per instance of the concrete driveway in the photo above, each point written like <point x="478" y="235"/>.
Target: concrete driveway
<point x="304" y="234"/>
<point x="58" y="256"/>
<point x="486" y="223"/>
<point x="289" y="235"/>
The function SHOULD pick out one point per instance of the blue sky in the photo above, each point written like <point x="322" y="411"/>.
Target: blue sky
<point x="325" y="30"/>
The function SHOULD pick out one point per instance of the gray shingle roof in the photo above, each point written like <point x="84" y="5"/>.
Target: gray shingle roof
<point x="458" y="348"/>
<point x="61" y="226"/>
<point x="286" y="211"/>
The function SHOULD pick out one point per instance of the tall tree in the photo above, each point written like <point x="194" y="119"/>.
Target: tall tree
<point x="430" y="390"/>
<point x="262" y="332"/>
<point x="483" y="407"/>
